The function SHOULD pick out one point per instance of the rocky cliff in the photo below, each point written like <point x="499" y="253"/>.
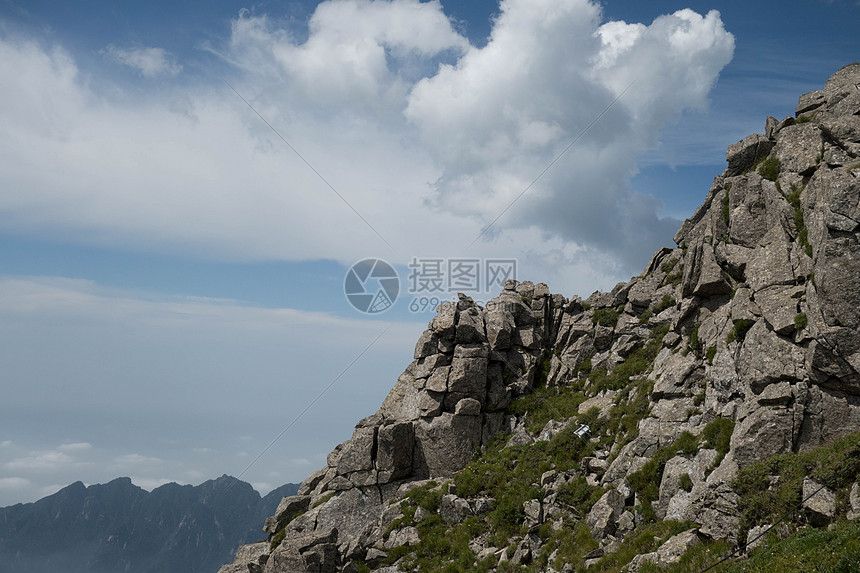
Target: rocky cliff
<point x="546" y="431"/>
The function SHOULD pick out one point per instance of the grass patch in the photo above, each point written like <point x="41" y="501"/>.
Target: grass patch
<point x="739" y="330"/>
<point x="277" y="538"/>
<point x="709" y="355"/>
<point x="644" y="540"/>
<point x="545" y="404"/>
<point x="761" y="502"/>
<point x="674" y="278"/>
<point x="836" y="551"/>
<point x="579" y="495"/>
<point x="664" y="303"/>
<point x="635" y="364"/>
<point x="769" y="168"/>
<point x="631" y="406"/>
<point x="583" y="367"/>
<point x="695" y="343"/>
<point x="605" y="317"/>
<point x="799" y="224"/>
<point x="800" y="321"/>
<point x="646" y="481"/>
<point x="669" y="265"/>
<point x="725" y="207"/>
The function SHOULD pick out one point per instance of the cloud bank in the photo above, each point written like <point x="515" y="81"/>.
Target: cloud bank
<point x="182" y="389"/>
<point x="427" y="136"/>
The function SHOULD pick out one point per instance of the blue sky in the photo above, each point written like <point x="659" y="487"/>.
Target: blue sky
<point x="171" y="273"/>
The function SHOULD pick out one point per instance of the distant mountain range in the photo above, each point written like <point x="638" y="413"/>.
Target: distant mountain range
<point x="118" y="527"/>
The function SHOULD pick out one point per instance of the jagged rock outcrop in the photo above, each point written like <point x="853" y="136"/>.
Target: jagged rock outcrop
<point x="750" y="327"/>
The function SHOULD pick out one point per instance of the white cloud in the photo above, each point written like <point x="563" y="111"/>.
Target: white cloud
<point x="136" y="460"/>
<point x="42" y="461"/>
<point x="14" y="483"/>
<point x="480" y="118"/>
<point x="75" y="447"/>
<point x="427" y="154"/>
<point x="150" y="62"/>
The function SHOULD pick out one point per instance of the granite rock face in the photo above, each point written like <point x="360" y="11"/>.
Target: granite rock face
<point x="758" y="314"/>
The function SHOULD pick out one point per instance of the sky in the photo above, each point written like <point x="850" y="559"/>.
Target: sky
<point x="185" y="186"/>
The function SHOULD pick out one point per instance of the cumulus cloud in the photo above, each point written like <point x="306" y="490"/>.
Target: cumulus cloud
<point x="499" y="116"/>
<point x="149" y="62"/>
<point x="428" y="137"/>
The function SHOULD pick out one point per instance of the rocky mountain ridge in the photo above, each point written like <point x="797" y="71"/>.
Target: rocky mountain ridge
<point x="118" y="526"/>
<point x="638" y="406"/>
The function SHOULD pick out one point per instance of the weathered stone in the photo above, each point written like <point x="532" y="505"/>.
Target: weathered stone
<point x="779" y="394"/>
<point x="715" y="506"/>
<point x="470" y="326"/>
<point x="402" y="401"/>
<point x="454" y="509"/>
<point x="766" y="432"/>
<point x="770" y="264"/>
<point x="444" y="323"/>
<point x="312" y="481"/>
<point x="601" y="519"/>
<point x="743" y="154"/>
<point x="779" y="305"/>
<point x="438" y="379"/>
<point x="603" y="402"/>
<point x="711" y="280"/>
<point x="854" y="501"/>
<point x="829" y="414"/>
<point x="844" y="129"/>
<point x="395" y="443"/>
<point x="755" y="536"/>
<point x="288" y="508"/>
<point x="401" y="537"/>
<point x="468" y="376"/>
<point x="430" y="403"/>
<point x="350" y="512"/>
<point x="766" y="358"/>
<point x="533" y="510"/>
<point x="427" y="344"/>
<point x="551" y="429"/>
<point x="676" y="546"/>
<point x="357" y="453"/>
<point x="799" y="148"/>
<point x="468" y="407"/>
<point x="483" y="505"/>
<point x="446" y="443"/>
<point x="770" y="126"/>
<point x="252" y="552"/>
<point x="809" y="101"/>
<point x="819" y="503"/>
<point x="311" y="553"/>
<point x="790" y="383"/>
